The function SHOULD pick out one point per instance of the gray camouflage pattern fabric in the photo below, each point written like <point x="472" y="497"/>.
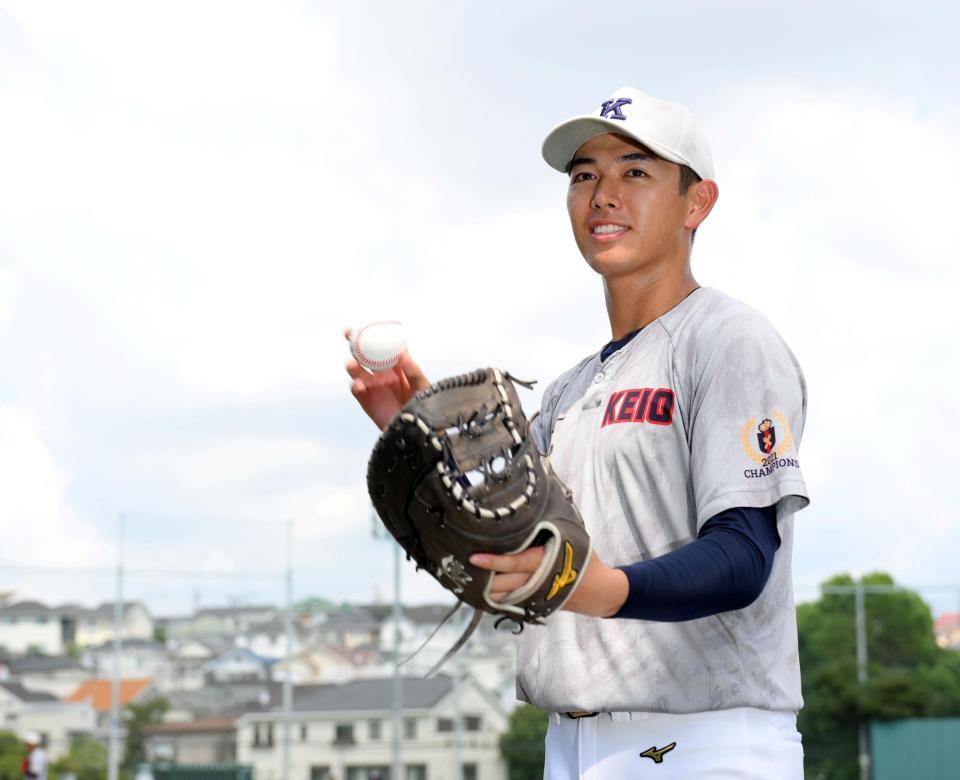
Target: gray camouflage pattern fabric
<point x="723" y="433"/>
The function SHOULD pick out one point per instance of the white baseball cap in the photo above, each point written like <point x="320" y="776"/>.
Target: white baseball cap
<point x="666" y="129"/>
<point x="32" y="738"/>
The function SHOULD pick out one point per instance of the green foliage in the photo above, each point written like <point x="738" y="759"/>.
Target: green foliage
<point x="313" y="604"/>
<point x="522" y="744"/>
<point x="87" y="760"/>
<point x="908" y="675"/>
<point x="139" y="716"/>
<point x="12" y="751"/>
<point x="160" y="635"/>
<point x="74" y="653"/>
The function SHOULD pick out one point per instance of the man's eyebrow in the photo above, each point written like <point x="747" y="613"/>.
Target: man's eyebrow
<point x="637" y="156"/>
<point x="623" y="158"/>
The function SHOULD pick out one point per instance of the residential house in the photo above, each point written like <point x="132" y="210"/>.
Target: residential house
<point x="325" y="662"/>
<point x="947" y="630"/>
<point x="349" y="627"/>
<point x="138" y="658"/>
<point x="226" y="700"/>
<point x="236" y="665"/>
<point x="32" y="627"/>
<point x="23" y="710"/>
<point x="99" y="694"/>
<point x="96" y="625"/>
<point x="189" y="655"/>
<point x="345" y="732"/>
<point x="268" y="638"/>
<point x="58" y="675"/>
<point x="208" y="741"/>
<point x="217" y="621"/>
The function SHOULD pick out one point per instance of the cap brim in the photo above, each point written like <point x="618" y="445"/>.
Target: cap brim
<point x="563" y="141"/>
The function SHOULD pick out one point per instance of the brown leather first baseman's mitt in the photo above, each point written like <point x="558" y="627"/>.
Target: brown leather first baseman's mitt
<point x="456" y="473"/>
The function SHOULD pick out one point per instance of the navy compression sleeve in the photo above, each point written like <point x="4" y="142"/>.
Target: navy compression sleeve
<point x="724" y="569"/>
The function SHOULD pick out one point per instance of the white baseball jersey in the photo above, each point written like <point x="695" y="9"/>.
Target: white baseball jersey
<point x="700" y="412"/>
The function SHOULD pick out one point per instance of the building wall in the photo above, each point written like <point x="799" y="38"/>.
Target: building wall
<point x="59" y="722"/>
<point x="314" y="742"/>
<point x="20" y="633"/>
<point x="195" y="748"/>
<point x="137" y="624"/>
<point x="60" y="683"/>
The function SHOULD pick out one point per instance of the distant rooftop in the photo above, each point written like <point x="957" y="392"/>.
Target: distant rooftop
<point x="371" y="694"/>
<point x="42" y="663"/>
<point x="100" y="692"/>
<point x="25" y="694"/>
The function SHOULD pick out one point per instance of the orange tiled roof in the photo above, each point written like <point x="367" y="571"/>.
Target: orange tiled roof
<point x="947" y="621"/>
<point x="100" y="692"/>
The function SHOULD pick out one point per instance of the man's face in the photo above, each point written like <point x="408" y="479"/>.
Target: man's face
<point x="625" y="207"/>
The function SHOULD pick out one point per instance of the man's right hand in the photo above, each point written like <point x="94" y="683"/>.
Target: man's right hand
<point x="383" y="394"/>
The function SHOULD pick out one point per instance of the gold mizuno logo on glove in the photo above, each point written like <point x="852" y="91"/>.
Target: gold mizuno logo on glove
<point x="567" y="575"/>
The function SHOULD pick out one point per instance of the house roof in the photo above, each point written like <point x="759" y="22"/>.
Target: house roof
<point x="27" y="608"/>
<point x="43" y="663"/>
<point x="23" y="694"/>
<point x="100" y="692"/>
<point x="192" y="726"/>
<point x="350" y="618"/>
<point x="947" y="621"/>
<point x="233" y="611"/>
<point x="371" y="694"/>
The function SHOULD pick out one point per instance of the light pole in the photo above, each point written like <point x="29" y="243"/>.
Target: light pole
<point x="379" y="532"/>
<point x="113" y="757"/>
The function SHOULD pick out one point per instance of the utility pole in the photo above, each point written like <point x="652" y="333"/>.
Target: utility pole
<point x="863" y="738"/>
<point x="113" y="757"/>
<point x="457" y="722"/>
<point x="288" y="676"/>
<point x="379" y="532"/>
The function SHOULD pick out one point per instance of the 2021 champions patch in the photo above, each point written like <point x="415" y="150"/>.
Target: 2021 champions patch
<point x="766" y="441"/>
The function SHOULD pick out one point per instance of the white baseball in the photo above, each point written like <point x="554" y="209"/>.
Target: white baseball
<point x="377" y="345"/>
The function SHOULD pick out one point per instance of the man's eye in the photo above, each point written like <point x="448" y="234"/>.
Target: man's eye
<point x="636" y="172"/>
<point x="581" y="176"/>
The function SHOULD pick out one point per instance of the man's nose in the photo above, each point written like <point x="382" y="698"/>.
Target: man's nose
<point x="605" y="194"/>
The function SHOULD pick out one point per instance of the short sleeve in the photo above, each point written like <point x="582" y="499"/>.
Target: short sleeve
<point x="747" y="415"/>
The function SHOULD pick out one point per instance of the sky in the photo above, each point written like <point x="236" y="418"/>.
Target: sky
<point x="196" y="198"/>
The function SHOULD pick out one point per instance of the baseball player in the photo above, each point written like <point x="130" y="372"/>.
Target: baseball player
<point x="676" y="656"/>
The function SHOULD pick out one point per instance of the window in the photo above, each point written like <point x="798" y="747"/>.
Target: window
<point x="472" y="723"/>
<point x="374" y="729"/>
<point x="469" y="772"/>
<point x="319" y="773"/>
<point x="303" y="732"/>
<point x="11" y="619"/>
<point x="368" y="773"/>
<point x="262" y="735"/>
<point x="344" y="734"/>
<point x="415" y="772"/>
<point x="41" y="619"/>
<point x="409" y="728"/>
<point x="444" y="724"/>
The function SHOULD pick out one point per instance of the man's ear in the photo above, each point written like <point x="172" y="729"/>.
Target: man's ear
<point x="701" y="200"/>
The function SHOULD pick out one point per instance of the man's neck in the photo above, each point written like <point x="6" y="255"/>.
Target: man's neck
<point x="633" y="302"/>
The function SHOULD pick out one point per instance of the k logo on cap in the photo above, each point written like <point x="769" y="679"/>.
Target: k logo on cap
<point x="611" y="108"/>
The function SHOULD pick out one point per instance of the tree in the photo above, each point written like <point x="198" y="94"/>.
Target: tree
<point x="12" y="751"/>
<point x="522" y="744"/>
<point x="87" y="760"/>
<point x="138" y="717"/>
<point x="908" y="675"/>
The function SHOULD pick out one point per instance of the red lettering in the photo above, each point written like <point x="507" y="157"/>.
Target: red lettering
<point x="611" y="414"/>
<point x="627" y="407"/>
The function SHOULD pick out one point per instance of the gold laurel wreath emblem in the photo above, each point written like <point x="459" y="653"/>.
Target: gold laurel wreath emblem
<point x="746" y="438"/>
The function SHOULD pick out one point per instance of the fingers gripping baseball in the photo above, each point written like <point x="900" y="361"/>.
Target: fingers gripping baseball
<point x="382" y="394"/>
